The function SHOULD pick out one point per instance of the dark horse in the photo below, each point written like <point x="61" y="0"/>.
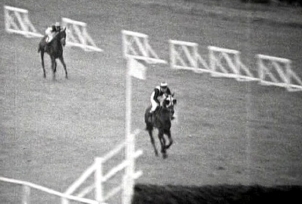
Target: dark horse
<point x="55" y="50"/>
<point x="162" y="121"/>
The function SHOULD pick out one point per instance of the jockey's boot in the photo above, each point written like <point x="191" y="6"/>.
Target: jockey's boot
<point x="151" y="115"/>
<point x="172" y="117"/>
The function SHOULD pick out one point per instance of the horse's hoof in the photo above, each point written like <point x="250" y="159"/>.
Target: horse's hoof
<point x="165" y="155"/>
<point x="168" y="146"/>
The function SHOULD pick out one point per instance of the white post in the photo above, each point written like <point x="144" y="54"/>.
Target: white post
<point x="195" y="56"/>
<point x="128" y="191"/>
<point x="7" y="19"/>
<point x="212" y="58"/>
<point x="146" y="43"/>
<point x="98" y="175"/>
<point x="237" y="63"/>
<point x="288" y="73"/>
<point x="125" y="45"/>
<point x="26" y="194"/>
<point x="260" y="68"/>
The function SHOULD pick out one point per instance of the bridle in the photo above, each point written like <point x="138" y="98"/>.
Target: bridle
<point x="169" y="103"/>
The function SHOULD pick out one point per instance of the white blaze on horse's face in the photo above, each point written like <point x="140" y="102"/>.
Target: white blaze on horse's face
<point x="169" y="101"/>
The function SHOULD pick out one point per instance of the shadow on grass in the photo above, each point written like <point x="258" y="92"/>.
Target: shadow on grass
<point x="222" y="194"/>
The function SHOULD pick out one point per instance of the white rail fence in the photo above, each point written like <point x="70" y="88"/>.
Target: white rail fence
<point x="184" y="55"/>
<point x="78" y="36"/>
<point x="227" y="63"/>
<point x="222" y="62"/>
<point x="136" y="45"/>
<point x="99" y="177"/>
<point x="17" y="21"/>
<point x="278" y="72"/>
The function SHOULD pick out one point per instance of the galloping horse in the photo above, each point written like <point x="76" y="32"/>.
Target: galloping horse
<point x="162" y="121"/>
<point x="55" y="50"/>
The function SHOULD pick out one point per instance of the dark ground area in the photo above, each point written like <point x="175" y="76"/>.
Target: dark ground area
<point x="219" y="194"/>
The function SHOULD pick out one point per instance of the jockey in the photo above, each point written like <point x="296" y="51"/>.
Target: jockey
<point x="161" y="90"/>
<point x="52" y="31"/>
<point x="58" y="27"/>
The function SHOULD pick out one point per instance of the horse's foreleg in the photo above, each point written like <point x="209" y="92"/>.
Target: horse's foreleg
<point x="64" y="65"/>
<point x="42" y="62"/>
<point x="168" y="133"/>
<point x="53" y="67"/>
<point x="153" y="142"/>
<point x="162" y="143"/>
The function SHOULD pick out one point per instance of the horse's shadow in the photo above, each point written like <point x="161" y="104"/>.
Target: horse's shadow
<point x="161" y="120"/>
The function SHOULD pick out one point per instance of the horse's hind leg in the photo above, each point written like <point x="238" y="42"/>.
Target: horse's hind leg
<point x="162" y="143"/>
<point x="53" y="67"/>
<point x="42" y="62"/>
<point x="64" y="65"/>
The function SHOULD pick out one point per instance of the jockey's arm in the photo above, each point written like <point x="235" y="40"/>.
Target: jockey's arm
<point x="155" y="95"/>
<point x="168" y="91"/>
<point x="48" y="31"/>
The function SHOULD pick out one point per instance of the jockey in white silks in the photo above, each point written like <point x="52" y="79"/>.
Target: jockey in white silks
<point x="52" y="31"/>
<point x="159" y="91"/>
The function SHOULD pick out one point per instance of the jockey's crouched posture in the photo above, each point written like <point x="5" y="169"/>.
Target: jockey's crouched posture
<point x="159" y="91"/>
<point x="52" y="31"/>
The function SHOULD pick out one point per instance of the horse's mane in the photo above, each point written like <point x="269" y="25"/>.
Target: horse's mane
<point x="57" y="35"/>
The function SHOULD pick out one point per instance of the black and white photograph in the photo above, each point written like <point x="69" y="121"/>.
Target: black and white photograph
<point x="150" y="101"/>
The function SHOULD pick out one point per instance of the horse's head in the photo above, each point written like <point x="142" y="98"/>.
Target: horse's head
<point x="62" y="36"/>
<point x="169" y="103"/>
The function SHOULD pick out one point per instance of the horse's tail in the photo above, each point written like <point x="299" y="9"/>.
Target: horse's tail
<point x="149" y="126"/>
<point x="42" y="44"/>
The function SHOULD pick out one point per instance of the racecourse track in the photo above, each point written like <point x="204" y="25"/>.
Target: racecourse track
<point x="227" y="132"/>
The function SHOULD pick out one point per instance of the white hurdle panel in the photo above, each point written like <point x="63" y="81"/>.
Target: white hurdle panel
<point x="136" y="45"/>
<point x="101" y="177"/>
<point x="17" y="21"/>
<point x="184" y="55"/>
<point x="278" y="72"/>
<point x="78" y="36"/>
<point x="227" y="63"/>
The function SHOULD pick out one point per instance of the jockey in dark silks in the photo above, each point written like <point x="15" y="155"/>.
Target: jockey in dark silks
<point x="159" y="91"/>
